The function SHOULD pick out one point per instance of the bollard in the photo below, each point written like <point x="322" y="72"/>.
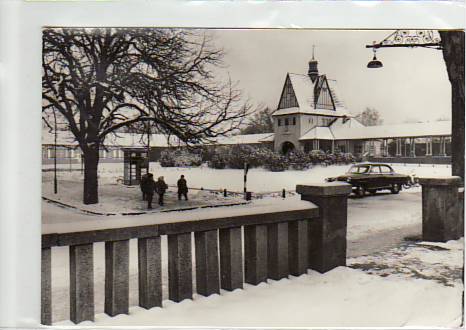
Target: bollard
<point x="327" y="234"/>
<point x="247" y="195"/>
<point x="441" y="219"/>
<point x="224" y="193"/>
<point x="283" y="193"/>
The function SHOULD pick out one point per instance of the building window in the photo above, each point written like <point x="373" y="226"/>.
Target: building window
<point x="286" y="122"/>
<point x="279" y="122"/>
<point x="294" y="120"/>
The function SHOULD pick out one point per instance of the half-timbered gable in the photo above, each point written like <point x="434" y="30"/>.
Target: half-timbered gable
<point x="323" y="95"/>
<point x="288" y="97"/>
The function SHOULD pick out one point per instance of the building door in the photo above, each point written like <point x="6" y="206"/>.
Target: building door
<point x="287" y="147"/>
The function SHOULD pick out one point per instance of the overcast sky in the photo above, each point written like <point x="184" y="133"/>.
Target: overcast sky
<point x="412" y="85"/>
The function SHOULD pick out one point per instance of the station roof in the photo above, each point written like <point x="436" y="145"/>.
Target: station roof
<point x="131" y="140"/>
<point x="304" y="88"/>
<point x="351" y="129"/>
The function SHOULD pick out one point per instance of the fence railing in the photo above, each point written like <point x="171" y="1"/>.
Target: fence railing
<point x="279" y="238"/>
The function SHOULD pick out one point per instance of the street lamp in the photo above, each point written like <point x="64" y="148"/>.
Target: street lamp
<point x="375" y="63"/>
<point x="405" y="38"/>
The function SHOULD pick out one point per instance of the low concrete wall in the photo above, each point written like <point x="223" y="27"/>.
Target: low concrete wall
<point x="267" y="241"/>
<point x="442" y="208"/>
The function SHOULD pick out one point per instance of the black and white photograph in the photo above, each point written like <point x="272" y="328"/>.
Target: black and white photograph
<point x="214" y="177"/>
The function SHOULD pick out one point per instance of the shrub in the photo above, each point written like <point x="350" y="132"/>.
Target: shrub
<point x="298" y="160"/>
<point x="317" y="157"/>
<point x="218" y="161"/>
<point x="167" y="158"/>
<point x="179" y="158"/>
<point x="276" y="163"/>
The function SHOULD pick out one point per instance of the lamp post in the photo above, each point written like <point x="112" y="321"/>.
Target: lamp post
<point x="451" y="43"/>
<point x="55" y="181"/>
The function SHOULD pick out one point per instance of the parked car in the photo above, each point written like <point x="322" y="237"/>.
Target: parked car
<point x="371" y="177"/>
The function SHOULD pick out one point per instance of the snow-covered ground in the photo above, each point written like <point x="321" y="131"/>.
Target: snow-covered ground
<point x="259" y="179"/>
<point x="346" y="297"/>
<point x="352" y="296"/>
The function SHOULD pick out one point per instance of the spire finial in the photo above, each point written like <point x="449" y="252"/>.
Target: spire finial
<point x="313" y="48"/>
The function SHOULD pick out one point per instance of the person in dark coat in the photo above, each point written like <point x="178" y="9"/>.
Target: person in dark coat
<point x="148" y="188"/>
<point x="141" y="184"/>
<point x="182" y="188"/>
<point x="161" y="187"/>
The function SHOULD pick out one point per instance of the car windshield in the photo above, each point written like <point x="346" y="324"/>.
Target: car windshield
<point x="359" y="169"/>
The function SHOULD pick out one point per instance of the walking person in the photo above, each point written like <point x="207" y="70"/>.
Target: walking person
<point x="141" y="185"/>
<point x="161" y="187"/>
<point x="182" y="188"/>
<point x="148" y="187"/>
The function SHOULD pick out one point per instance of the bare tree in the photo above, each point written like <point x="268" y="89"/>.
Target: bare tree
<point x="103" y="79"/>
<point x="259" y="122"/>
<point x="453" y="54"/>
<point x="370" y="117"/>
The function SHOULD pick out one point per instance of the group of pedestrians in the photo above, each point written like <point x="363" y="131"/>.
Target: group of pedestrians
<point x="149" y="186"/>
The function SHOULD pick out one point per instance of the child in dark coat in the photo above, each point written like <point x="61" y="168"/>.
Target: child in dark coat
<point x="148" y="187"/>
<point x="161" y="187"/>
<point x="182" y="188"/>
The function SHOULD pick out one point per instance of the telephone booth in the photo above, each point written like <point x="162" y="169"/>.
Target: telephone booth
<point x="135" y="163"/>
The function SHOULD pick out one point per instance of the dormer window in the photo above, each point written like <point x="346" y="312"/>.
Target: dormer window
<point x="294" y="120"/>
<point x="279" y="122"/>
<point x="287" y="122"/>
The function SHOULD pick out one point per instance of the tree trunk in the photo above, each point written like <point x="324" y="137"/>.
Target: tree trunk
<point x="91" y="162"/>
<point x="453" y="54"/>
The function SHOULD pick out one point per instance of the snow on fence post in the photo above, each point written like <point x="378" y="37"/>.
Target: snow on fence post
<point x="441" y="219"/>
<point x="327" y="233"/>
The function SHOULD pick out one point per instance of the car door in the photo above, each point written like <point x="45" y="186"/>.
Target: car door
<point x="387" y="175"/>
<point x="375" y="177"/>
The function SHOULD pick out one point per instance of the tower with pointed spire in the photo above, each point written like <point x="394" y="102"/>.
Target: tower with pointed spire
<point x="313" y="72"/>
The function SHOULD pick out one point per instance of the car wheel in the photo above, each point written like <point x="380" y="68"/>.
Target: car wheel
<point x="395" y="188"/>
<point x="360" y="192"/>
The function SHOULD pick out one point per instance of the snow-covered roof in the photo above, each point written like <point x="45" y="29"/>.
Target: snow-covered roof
<point x="156" y="140"/>
<point x="303" y="88"/>
<point x="269" y="138"/>
<point x="119" y="139"/>
<point x="242" y="139"/>
<point x="352" y="129"/>
<point x="318" y="133"/>
<point x="64" y="138"/>
<point x="344" y="132"/>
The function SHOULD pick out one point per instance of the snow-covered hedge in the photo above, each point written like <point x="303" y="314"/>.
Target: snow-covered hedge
<point x="179" y="158"/>
<point x="235" y="156"/>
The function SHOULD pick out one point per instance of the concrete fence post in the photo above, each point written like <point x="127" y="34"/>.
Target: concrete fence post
<point x="327" y="233"/>
<point x="441" y="207"/>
